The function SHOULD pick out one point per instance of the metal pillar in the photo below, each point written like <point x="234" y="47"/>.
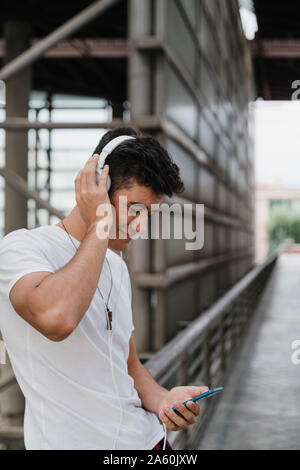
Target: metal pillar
<point x="159" y="246"/>
<point x="139" y="87"/>
<point x="17" y="36"/>
<point x="117" y="107"/>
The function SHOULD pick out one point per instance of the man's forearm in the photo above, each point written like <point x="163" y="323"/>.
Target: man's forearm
<point x="70" y="290"/>
<point x="149" y="391"/>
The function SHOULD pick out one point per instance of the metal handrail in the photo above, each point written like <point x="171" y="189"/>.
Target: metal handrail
<point x="16" y="182"/>
<point x="200" y="353"/>
<point x="7" y="379"/>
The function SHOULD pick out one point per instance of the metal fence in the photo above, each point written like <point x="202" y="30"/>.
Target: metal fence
<point x="202" y="352"/>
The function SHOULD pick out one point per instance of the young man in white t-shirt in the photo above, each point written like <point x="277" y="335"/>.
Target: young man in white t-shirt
<point x="83" y="383"/>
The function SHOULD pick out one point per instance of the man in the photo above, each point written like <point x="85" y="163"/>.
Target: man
<point x="66" y="314"/>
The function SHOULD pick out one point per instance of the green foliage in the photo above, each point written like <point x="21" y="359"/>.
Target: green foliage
<point x="284" y="224"/>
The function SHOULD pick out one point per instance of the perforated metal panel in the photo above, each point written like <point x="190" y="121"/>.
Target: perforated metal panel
<point x="200" y="89"/>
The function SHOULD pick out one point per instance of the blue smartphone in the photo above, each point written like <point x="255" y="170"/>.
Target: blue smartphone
<point x="203" y="395"/>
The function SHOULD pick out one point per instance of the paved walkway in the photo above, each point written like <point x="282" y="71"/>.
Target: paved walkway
<point x="260" y="405"/>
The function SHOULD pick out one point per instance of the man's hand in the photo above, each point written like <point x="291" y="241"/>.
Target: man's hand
<point x="174" y="399"/>
<point x="89" y="195"/>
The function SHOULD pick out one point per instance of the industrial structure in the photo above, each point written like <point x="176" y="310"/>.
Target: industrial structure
<point x="180" y="70"/>
<point x="276" y="49"/>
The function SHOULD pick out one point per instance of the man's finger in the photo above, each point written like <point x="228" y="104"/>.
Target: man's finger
<point x="103" y="177"/>
<point x="90" y="171"/>
<point x="185" y="412"/>
<point x="195" y="391"/>
<point x="194" y="407"/>
<point x="170" y="424"/>
<point x="178" y="420"/>
<point x="77" y="185"/>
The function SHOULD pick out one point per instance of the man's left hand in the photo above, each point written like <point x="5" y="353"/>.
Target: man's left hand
<point x="174" y="399"/>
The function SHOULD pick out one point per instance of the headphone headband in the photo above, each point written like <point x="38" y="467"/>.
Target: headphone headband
<point x="110" y="147"/>
<point x="107" y="149"/>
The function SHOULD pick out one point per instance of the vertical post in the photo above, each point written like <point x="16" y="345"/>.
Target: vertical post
<point x="183" y="379"/>
<point x="159" y="246"/>
<point x="160" y="264"/>
<point x="36" y="160"/>
<point x="17" y="39"/>
<point x="223" y="346"/>
<point x="139" y="93"/>
<point x="246" y="306"/>
<point x="17" y="35"/>
<point x="206" y="345"/>
<point x="235" y="313"/>
<point x="117" y="107"/>
<point x="49" y="152"/>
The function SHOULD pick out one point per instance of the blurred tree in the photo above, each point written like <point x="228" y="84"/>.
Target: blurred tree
<point x="283" y="224"/>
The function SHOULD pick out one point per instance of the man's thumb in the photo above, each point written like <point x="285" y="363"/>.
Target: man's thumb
<point x="195" y="391"/>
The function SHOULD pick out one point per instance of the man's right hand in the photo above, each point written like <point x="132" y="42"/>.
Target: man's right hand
<point x="89" y="195"/>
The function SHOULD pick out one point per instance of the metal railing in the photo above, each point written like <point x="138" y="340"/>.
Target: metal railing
<point x="200" y="354"/>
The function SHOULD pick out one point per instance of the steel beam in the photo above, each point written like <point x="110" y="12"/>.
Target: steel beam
<point x="11" y="433"/>
<point x="275" y="48"/>
<point x="19" y="185"/>
<point x="88" y="47"/>
<point x="144" y="122"/>
<point x="183" y="272"/>
<point x="74" y="24"/>
<point x="7" y="379"/>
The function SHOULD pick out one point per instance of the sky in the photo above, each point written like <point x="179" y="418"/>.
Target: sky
<point x="277" y="135"/>
<point x="277" y="142"/>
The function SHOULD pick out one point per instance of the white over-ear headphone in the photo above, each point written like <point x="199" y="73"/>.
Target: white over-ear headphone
<point x="105" y="152"/>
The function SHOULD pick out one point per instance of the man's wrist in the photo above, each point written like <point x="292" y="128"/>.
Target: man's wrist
<point x="161" y="394"/>
<point x="93" y="231"/>
<point x="94" y="228"/>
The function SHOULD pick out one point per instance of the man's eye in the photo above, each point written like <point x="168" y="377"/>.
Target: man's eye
<point x="137" y="209"/>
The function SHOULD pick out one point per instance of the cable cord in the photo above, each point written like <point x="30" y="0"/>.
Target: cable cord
<point x="165" y="438"/>
<point x="113" y="375"/>
<point x="110" y="334"/>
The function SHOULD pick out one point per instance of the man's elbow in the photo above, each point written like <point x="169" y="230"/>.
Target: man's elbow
<point x="59" y="331"/>
<point x="53" y="324"/>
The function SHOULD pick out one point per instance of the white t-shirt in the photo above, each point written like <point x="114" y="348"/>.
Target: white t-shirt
<point x="70" y="398"/>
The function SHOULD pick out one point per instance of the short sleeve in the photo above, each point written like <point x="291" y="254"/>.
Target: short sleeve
<point x="20" y="254"/>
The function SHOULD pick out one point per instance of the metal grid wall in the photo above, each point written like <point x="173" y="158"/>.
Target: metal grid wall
<point x="55" y="155"/>
<point x="199" y="83"/>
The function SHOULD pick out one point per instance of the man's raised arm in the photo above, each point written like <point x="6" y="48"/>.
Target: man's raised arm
<point x="54" y="303"/>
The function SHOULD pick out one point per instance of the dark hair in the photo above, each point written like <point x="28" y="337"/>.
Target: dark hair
<point x="142" y="159"/>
